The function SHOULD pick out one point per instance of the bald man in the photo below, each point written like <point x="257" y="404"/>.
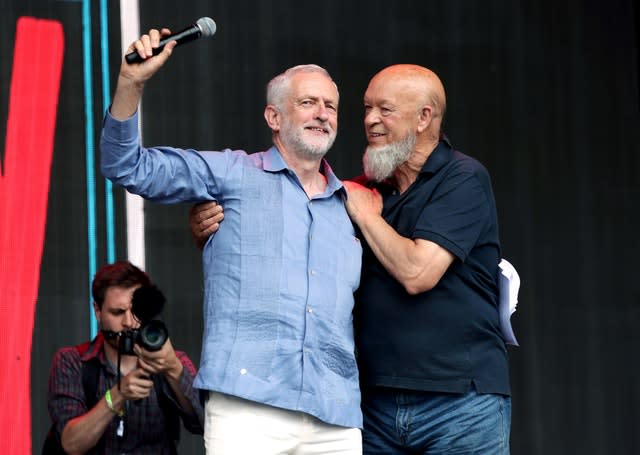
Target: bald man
<point x="433" y="365"/>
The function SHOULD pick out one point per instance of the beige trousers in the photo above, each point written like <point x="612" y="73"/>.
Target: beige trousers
<point x="234" y="426"/>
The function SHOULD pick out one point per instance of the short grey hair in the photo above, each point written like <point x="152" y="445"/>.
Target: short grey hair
<point x="278" y="87"/>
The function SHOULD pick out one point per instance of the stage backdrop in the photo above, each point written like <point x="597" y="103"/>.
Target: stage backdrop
<point x="545" y="94"/>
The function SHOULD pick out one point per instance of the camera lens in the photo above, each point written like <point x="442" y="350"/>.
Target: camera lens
<point x="153" y="335"/>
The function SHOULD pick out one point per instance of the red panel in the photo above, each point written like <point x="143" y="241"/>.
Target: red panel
<point x="24" y="187"/>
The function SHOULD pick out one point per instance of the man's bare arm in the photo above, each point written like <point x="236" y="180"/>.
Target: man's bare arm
<point x="417" y="264"/>
<point x="132" y="77"/>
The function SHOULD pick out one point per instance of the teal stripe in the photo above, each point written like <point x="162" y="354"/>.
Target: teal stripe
<point x="106" y="101"/>
<point x="89" y="153"/>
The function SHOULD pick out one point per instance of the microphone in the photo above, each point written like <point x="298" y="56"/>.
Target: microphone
<point x="203" y="28"/>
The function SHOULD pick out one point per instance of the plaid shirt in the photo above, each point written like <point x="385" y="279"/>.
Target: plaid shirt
<point x="146" y="431"/>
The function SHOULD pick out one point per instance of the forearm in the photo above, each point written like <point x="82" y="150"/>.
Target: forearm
<point x="186" y="397"/>
<point x="126" y="98"/>
<point x="390" y="248"/>
<point x="417" y="265"/>
<point x="174" y="380"/>
<point x="83" y="432"/>
<point x="178" y="372"/>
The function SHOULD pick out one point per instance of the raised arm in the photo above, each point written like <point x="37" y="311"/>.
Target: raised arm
<point x="133" y="76"/>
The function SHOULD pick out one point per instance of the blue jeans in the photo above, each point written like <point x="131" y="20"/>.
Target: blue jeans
<point x="398" y="421"/>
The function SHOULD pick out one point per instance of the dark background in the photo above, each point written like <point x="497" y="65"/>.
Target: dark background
<point x="544" y="93"/>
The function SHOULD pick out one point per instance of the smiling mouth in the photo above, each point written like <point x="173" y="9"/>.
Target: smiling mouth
<point x="317" y="129"/>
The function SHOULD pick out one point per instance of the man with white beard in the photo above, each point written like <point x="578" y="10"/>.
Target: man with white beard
<point x="278" y="359"/>
<point x="380" y="162"/>
<point x="433" y="365"/>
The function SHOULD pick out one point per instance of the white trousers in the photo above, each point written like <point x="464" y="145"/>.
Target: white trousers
<point x="234" y="426"/>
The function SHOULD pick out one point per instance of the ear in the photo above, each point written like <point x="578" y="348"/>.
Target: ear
<point x="272" y="116"/>
<point x="424" y="118"/>
<point x="96" y="311"/>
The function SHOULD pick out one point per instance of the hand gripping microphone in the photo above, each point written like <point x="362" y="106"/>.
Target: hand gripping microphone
<point x="203" y="28"/>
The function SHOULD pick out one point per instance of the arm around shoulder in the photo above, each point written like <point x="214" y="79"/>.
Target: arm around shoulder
<point x="415" y="263"/>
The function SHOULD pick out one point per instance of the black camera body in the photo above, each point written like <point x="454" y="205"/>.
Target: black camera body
<point x="151" y="336"/>
<point x="146" y="305"/>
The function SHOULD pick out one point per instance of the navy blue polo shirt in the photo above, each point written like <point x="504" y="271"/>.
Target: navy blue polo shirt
<point x="446" y="339"/>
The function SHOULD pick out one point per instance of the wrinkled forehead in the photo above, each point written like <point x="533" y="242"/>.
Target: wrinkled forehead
<point x="314" y="85"/>
<point x="392" y="89"/>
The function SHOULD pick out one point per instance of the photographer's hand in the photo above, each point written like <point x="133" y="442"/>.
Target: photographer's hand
<point x="134" y="386"/>
<point x="166" y="362"/>
<point x="83" y="432"/>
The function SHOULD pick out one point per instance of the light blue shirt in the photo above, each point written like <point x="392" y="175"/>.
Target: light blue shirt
<point x="279" y="274"/>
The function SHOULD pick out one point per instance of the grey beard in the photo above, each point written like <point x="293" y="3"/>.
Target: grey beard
<point x="293" y="139"/>
<point x="380" y="162"/>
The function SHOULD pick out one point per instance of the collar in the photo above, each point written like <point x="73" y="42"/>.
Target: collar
<point x="95" y="350"/>
<point x="273" y="162"/>
<point x="440" y="156"/>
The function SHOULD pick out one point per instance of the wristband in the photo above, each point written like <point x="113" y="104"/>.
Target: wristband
<point x="107" y="398"/>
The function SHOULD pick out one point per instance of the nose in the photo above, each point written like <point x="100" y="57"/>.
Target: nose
<point x="128" y="320"/>
<point x="322" y="113"/>
<point x="371" y="117"/>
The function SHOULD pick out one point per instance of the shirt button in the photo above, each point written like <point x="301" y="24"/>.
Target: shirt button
<point x="243" y="371"/>
<point x="313" y="272"/>
<point x="310" y="310"/>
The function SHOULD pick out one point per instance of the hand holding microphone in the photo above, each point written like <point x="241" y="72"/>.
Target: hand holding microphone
<point x="133" y="76"/>
<point x="203" y="28"/>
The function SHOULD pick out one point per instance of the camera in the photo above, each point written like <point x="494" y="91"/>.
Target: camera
<point x="146" y="306"/>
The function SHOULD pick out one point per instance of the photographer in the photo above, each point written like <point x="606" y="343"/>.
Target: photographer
<point x="133" y="410"/>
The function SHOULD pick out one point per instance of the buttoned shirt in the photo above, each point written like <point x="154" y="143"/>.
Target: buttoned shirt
<point x="279" y="274"/>
<point x="144" y="424"/>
